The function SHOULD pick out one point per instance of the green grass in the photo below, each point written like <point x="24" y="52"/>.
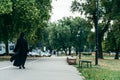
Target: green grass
<point x="4" y="58"/>
<point x="100" y="74"/>
<point x="7" y="58"/>
<point x="108" y="69"/>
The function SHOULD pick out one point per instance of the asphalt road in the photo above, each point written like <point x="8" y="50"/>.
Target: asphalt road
<point x="52" y="68"/>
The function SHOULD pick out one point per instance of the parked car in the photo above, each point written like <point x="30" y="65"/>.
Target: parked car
<point x="33" y="53"/>
<point x="45" y="54"/>
<point x="113" y="53"/>
<point x="2" y="49"/>
<point x="10" y="48"/>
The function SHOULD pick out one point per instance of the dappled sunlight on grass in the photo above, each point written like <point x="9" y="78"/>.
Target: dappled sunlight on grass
<point x="107" y="63"/>
<point x="111" y="64"/>
<point x="107" y="68"/>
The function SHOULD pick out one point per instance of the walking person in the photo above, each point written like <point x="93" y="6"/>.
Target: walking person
<point x="21" y="50"/>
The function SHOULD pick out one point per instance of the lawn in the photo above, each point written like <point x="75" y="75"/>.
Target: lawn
<point x="4" y="58"/>
<point x="107" y="69"/>
<point x="7" y="58"/>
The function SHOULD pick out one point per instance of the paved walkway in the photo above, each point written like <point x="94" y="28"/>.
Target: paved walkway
<point x="52" y="68"/>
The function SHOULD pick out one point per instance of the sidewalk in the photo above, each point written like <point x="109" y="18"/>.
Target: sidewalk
<point x="56" y="68"/>
<point x="46" y="68"/>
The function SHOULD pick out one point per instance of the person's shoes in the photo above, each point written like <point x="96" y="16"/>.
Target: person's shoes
<point x="23" y="67"/>
<point x="19" y="67"/>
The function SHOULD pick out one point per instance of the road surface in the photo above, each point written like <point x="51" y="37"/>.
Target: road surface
<point x="47" y="68"/>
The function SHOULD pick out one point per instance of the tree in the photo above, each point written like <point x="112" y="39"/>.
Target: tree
<point x="22" y="16"/>
<point x="79" y="30"/>
<point x="88" y="7"/>
<point x="44" y="7"/>
<point x="64" y="33"/>
<point x="5" y="21"/>
<point x="58" y="36"/>
<point x="6" y="7"/>
<point x="113" y="39"/>
<point x="25" y="16"/>
<point x="91" y="41"/>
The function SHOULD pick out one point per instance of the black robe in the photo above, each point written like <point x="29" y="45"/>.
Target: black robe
<point x="21" y="50"/>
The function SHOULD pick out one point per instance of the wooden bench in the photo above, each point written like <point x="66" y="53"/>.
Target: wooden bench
<point x="88" y="62"/>
<point x="71" y="60"/>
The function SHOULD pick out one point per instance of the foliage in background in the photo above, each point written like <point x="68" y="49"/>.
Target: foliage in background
<point x="113" y="40"/>
<point x="108" y="10"/>
<point x="69" y="32"/>
<point x="23" y="16"/>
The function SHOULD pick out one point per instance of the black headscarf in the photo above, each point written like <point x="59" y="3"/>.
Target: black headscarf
<point x="22" y="35"/>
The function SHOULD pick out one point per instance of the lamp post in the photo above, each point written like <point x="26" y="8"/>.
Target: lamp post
<point x="96" y="30"/>
<point x="78" y="40"/>
<point x="79" y="36"/>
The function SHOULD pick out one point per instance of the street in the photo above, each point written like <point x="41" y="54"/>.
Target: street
<point x="46" y="68"/>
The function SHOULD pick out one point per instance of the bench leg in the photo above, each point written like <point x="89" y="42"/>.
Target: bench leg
<point x="90" y="65"/>
<point x="87" y="65"/>
<point x="79" y="64"/>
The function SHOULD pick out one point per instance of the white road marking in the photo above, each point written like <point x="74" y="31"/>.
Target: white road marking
<point x="6" y="67"/>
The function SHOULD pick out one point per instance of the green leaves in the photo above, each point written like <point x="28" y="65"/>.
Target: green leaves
<point x="58" y="35"/>
<point x="25" y="15"/>
<point x="30" y="15"/>
<point x="64" y="33"/>
<point x="5" y="6"/>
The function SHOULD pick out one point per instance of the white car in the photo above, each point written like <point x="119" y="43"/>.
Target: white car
<point x="45" y="54"/>
<point x="33" y="53"/>
<point x="2" y="49"/>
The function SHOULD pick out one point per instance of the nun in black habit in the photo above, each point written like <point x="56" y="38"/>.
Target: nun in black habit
<point x="21" y="50"/>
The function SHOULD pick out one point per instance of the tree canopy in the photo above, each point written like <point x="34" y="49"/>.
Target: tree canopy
<point x="23" y="16"/>
<point x="106" y="13"/>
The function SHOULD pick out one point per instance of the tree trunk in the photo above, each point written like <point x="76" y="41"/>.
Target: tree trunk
<point x="100" y="34"/>
<point x="100" y="53"/>
<point x="6" y="47"/>
<point x="65" y="50"/>
<point x="69" y="51"/>
<point x="117" y="55"/>
<point x="77" y="51"/>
